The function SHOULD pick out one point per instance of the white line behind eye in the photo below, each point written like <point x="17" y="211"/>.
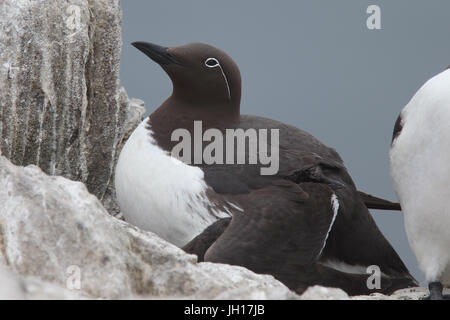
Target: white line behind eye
<point x="217" y="64"/>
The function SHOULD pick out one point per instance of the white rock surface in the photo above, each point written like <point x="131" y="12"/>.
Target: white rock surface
<point x="61" y="104"/>
<point x="322" y="293"/>
<point x="11" y="287"/>
<point x="51" y="228"/>
<point x="14" y="287"/>
<point x="403" y="294"/>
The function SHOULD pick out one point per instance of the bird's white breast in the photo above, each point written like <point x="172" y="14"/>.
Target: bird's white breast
<point x="159" y="193"/>
<point x="420" y="168"/>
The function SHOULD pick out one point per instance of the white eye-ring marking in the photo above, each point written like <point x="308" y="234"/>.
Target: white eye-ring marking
<point x="213" y="63"/>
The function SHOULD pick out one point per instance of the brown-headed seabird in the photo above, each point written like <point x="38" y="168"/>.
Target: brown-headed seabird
<point x="300" y="219"/>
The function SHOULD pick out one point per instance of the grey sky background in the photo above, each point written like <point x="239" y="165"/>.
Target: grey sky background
<point x="312" y="64"/>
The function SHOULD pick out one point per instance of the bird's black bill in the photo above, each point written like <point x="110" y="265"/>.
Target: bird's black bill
<point x="156" y="53"/>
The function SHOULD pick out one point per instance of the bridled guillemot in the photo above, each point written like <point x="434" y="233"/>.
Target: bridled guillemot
<point x="306" y="224"/>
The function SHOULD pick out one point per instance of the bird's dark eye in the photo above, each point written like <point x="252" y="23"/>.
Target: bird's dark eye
<point x="211" y="62"/>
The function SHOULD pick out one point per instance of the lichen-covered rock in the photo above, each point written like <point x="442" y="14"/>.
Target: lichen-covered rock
<point x="53" y="229"/>
<point x="61" y="105"/>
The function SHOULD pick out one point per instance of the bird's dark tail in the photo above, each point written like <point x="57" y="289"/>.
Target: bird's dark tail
<point x="372" y="202"/>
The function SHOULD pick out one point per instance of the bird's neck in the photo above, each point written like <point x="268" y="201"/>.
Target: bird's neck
<point x="177" y="114"/>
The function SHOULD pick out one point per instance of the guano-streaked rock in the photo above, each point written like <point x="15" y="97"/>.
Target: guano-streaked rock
<point x="61" y="104"/>
<point x="53" y="229"/>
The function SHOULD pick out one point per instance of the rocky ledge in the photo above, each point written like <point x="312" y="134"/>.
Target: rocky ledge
<point x="57" y="236"/>
<point x="58" y="242"/>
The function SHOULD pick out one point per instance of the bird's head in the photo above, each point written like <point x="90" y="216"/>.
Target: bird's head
<point x="201" y="74"/>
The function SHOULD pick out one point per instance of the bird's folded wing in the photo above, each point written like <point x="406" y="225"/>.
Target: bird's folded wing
<point x="282" y="224"/>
